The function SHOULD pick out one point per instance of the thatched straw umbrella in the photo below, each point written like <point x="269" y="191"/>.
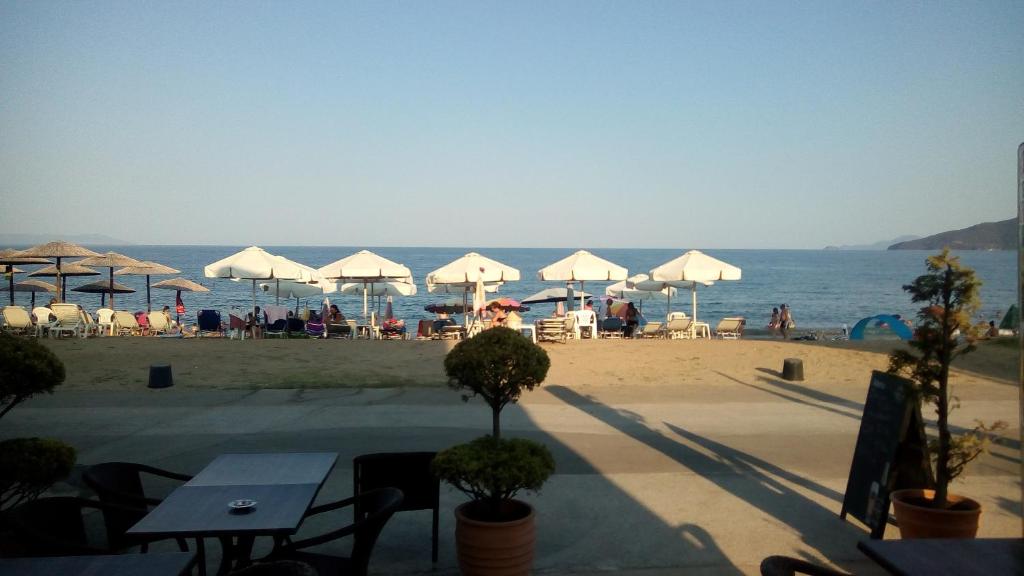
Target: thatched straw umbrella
<point x="181" y="285"/>
<point x="69" y="269"/>
<point x="102" y="287"/>
<point x="147" y="269"/>
<point x="33" y="286"/>
<point x="8" y="260"/>
<point x="58" y="250"/>
<point x="110" y="260"/>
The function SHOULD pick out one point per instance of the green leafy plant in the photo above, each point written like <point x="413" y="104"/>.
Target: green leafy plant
<point x="497" y="364"/>
<point x="26" y="368"/>
<point x="949" y="292"/>
<point x="29" y="466"/>
<point x="491" y="470"/>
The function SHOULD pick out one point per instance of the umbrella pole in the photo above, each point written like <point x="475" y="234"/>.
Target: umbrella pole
<point x="277" y="292"/>
<point x="693" y="293"/>
<point x="581" y="294"/>
<point x="10" y="272"/>
<point x="364" y="303"/>
<point x="111" y="286"/>
<point x="149" y="304"/>
<point x="255" y="321"/>
<point x="61" y="293"/>
<point x="33" y="299"/>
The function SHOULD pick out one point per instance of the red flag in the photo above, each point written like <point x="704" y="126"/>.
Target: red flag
<point x="178" y="304"/>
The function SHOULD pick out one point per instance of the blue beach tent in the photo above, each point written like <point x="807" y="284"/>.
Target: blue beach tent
<point x="894" y="323"/>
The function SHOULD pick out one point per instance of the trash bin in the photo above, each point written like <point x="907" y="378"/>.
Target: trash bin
<point x="160" y="376"/>
<point x="793" y="369"/>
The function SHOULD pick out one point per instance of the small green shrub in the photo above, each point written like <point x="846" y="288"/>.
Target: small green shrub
<point x="496" y="364"/>
<point x="29" y="466"/>
<point x="26" y="368"/>
<point x="492" y="469"/>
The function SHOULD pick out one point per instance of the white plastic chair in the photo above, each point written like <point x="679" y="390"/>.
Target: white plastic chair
<point x="105" y="320"/>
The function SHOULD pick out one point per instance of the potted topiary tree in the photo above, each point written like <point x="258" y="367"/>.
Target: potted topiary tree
<point x="949" y="292"/>
<point x="28" y="466"/>
<point x="494" y="533"/>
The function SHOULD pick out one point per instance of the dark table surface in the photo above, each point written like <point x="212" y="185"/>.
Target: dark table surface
<point x="938" y="557"/>
<point x="283" y="486"/>
<point x="163" y="564"/>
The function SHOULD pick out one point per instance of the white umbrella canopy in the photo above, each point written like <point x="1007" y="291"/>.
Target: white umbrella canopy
<point x="380" y="289"/>
<point x="695" y="266"/>
<point x="470" y="268"/>
<point x="255" y="263"/>
<point x="293" y="289"/>
<point x="580" y="267"/>
<point x="472" y="273"/>
<point x="365" y="267"/>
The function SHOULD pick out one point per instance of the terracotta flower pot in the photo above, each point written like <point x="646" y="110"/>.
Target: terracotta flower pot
<point x="495" y="548"/>
<point x="917" y="520"/>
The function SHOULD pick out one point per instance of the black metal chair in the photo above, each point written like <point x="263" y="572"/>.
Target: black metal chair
<point x="377" y="506"/>
<point x="56" y="526"/>
<point x="120" y="483"/>
<point x="409" y="472"/>
<point x="786" y="566"/>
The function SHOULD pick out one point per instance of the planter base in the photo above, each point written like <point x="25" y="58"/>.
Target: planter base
<point x="494" y="548"/>
<point x="917" y="520"/>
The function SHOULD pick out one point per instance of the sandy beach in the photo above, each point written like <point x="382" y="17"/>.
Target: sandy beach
<point x="672" y="456"/>
<point x="123" y="363"/>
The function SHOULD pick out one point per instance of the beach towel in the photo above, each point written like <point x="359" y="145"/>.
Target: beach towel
<point x="275" y="313"/>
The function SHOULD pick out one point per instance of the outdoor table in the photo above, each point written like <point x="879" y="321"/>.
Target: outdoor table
<point x="941" y="556"/>
<point x="162" y="564"/>
<point x="700" y="330"/>
<point x="283" y="486"/>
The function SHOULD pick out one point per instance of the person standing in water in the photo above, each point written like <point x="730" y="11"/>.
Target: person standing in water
<point x="785" y="321"/>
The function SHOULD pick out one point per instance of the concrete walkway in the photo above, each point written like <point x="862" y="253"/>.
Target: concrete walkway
<point x="650" y="481"/>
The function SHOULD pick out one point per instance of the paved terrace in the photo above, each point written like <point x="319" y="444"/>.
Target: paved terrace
<point x="650" y="481"/>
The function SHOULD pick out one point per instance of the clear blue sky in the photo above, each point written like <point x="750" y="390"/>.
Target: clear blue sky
<point x="561" y="124"/>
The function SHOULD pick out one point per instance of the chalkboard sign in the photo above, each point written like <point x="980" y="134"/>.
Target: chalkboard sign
<point x="890" y="451"/>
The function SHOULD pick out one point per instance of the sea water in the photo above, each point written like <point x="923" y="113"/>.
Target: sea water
<point x="824" y="288"/>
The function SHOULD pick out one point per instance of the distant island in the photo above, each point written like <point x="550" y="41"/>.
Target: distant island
<point x="883" y="245"/>
<point x="15" y="239"/>
<point x="986" y="236"/>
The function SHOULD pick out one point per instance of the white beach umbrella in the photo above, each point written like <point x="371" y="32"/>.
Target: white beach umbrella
<point x="471" y="273"/>
<point x="694" y="267"/>
<point x="381" y="289"/>
<point x="288" y="289"/>
<point x="550" y="295"/>
<point x="580" y="267"/>
<point x="365" y="267"/>
<point x="255" y="263"/>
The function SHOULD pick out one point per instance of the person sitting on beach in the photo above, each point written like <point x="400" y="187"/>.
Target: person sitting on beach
<point x="993" y="330"/>
<point x="785" y="321"/>
<point x="334" y="316"/>
<point x="167" y="314"/>
<point x="498" y="316"/>
<point x="632" y="320"/>
<point x="254" y="323"/>
<point x="608" y="308"/>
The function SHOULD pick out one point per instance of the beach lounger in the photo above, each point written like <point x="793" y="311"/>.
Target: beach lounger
<point x="158" y="323"/>
<point x="653" y="330"/>
<point x="551" y="330"/>
<point x="314" y="328"/>
<point x="453" y="332"/>
<point x="277" y="329"/>
<point x="105" y="321"/>
<point x="570" y="327"/>
<point x="17" y="321"/>
<point x="679" y="328"/>
<point x="209" y="323"/>
<point x="296" y="326"/>
<point x="425" y="330"/>
<point x="69" y="320"/>
<point x="125" y="324"/>
<point x="91" y="327"/>
<point x="611" y="327"/>
<point x="730" y="328"/>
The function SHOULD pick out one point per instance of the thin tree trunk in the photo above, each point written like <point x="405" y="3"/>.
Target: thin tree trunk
<point x="496" y="423"/>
